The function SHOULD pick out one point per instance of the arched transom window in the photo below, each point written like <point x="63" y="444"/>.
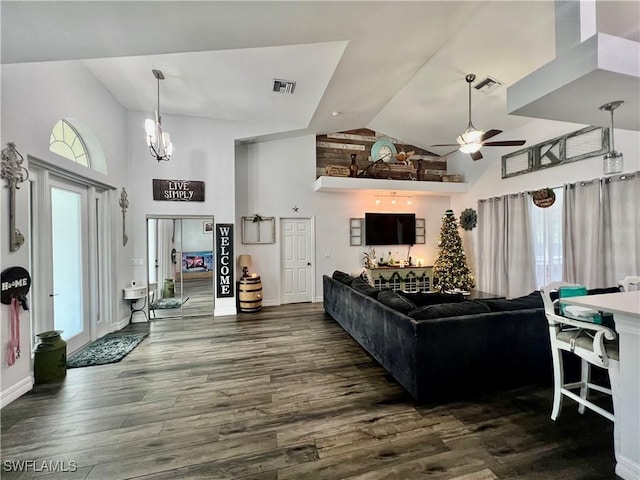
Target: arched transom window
<point x="67" y="142"/>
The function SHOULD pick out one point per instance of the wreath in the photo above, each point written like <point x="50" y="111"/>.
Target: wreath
<point x="468" y="219"/>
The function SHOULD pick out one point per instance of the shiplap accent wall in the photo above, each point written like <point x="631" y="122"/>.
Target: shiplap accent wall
<point x="336" y="149"/>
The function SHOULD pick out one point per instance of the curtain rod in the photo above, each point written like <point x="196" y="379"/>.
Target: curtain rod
<point x="621" y="177"/>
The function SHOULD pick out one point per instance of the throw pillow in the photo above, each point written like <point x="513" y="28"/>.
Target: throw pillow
<point x="363" y="274"/>
<point x="394" y="300"/>
<point x="533" y="300"/>
<point x="421" y="299"/>
<point x="342" y="277"/>
<point x="445" y="310"/>
<point x="363" y="287"/>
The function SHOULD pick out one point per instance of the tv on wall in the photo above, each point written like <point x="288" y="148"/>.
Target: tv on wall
<point x="390" y="228"/>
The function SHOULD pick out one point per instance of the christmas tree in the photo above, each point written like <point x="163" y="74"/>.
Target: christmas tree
<point x="451" y="270"/>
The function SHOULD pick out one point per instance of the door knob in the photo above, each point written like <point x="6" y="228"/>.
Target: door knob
<point x="53" y="294"/>
<point x="308" y="263"/>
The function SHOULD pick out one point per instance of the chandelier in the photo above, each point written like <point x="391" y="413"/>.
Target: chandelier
<point x="159" y="143"/>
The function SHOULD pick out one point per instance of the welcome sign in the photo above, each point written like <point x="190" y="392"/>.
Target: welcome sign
<point x="224" y="259"/>
<point x="178" y="190"/>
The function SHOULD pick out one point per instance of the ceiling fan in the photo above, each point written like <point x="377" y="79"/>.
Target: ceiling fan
<point x="472" y="139"/>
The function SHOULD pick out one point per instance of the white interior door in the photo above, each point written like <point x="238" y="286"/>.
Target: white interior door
<point x="297" y="260"/>
<point x="69" y="266"/>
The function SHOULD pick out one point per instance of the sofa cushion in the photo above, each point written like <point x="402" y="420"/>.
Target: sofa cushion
<point x="422" y="299"/>
<point x="396" y="301"/>
<point x="363" y="287"/>
<point x="444" y="310"/>
<point x="533" y="300"/>
<point x="342" y="277"/>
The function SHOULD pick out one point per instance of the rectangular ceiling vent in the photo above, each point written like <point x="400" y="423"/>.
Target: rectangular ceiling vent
<point x="283" y="86"/>
<point x="487" y="85"/>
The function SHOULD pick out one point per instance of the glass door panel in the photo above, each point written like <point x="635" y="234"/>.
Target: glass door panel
<point x="68" y="241"/>
<point x="181" y="259"/>
<point x="196" y="269"/>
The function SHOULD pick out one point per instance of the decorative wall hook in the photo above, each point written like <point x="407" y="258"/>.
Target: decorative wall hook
<point x="14" y="173"/>
<point x="124" y="204"/>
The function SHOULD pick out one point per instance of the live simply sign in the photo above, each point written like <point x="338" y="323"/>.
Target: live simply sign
<point x="178" y="190"/>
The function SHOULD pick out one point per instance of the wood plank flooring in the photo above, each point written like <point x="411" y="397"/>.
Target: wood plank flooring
<point x="284" y="394"/>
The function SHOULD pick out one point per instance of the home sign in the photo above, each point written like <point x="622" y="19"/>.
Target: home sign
<point x="178" y="190"/>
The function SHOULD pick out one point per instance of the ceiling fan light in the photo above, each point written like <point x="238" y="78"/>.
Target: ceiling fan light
<point x="470" y="147"/>
<point x="470" y="136"/>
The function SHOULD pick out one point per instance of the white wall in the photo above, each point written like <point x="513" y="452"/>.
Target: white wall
<point x="204" y="149"/>
<point x="273" y="177"/>
<point x="485" y="176"/>
<point x="34" y="98"/>
<point x="192" y="237"/>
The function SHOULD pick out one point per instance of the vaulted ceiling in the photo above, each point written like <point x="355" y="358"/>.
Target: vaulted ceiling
<point x="395" y="67"/>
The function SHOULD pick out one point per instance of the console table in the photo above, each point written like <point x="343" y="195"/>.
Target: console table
<point x="408" y="278"/>
<point x="133" y="293"/>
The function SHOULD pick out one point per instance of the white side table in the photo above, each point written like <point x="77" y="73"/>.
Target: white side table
<point x="133" y="293"/>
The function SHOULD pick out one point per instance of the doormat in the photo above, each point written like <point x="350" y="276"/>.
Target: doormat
<point x="166" y="303"/>
<point x="111" y="348"/>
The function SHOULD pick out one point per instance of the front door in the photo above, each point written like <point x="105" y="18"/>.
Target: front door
<point x="69" y="253"/>
<point x="297" y="255"/>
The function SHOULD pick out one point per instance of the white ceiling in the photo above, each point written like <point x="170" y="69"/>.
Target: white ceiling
<point x="396" y="67"/>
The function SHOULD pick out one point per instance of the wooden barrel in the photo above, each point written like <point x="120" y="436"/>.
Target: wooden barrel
<point x="250" y="294"/>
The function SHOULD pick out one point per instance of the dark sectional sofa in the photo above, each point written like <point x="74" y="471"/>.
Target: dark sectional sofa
<point x="441" y="347"/>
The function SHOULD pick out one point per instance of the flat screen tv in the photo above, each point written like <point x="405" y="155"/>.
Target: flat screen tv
<point x="390" y="228"/>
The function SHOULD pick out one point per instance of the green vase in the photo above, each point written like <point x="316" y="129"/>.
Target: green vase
<point x="50" y="358"/>
<point x="168" y="290"/>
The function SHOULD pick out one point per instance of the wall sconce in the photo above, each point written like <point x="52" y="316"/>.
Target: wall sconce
<point x="613" y="161"/>
<point x="394" y="198"/>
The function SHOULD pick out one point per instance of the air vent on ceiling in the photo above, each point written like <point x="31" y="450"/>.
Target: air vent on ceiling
<point x="283" y="86"/>
<point x="487" y="85"/>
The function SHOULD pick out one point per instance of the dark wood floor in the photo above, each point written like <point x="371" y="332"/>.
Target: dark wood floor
<point x="285" y="394"/>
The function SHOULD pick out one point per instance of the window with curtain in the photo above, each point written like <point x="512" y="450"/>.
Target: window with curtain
<point x="590" y="236"/>
<point x="546" y="224"/>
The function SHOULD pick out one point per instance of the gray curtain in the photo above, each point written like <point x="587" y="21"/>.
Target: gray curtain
<point x="601" y="226"/>
<point x="505" y="246"/>
<point x="583" y="235"/>
<point x="520" y="252"/>
<point x="492" y="272"/>
<point x="621" y="204"/>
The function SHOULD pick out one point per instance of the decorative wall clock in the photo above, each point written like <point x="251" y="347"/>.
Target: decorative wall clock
<point x="384" y="150"/>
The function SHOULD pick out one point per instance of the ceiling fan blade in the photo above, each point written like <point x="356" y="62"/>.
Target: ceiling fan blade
<point x="476" y="155"/>
<point x="505" y="143"/>
<point x="445" y="145"/>
<point x="489" y="134"/>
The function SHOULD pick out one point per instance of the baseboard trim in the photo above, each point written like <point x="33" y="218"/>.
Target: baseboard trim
<point x="220" y="311"/>
<point x="627" y="468"/>
<point x="16" y="391"/>
<point x="120" y="325"/>
<point x="319" y="299"/>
